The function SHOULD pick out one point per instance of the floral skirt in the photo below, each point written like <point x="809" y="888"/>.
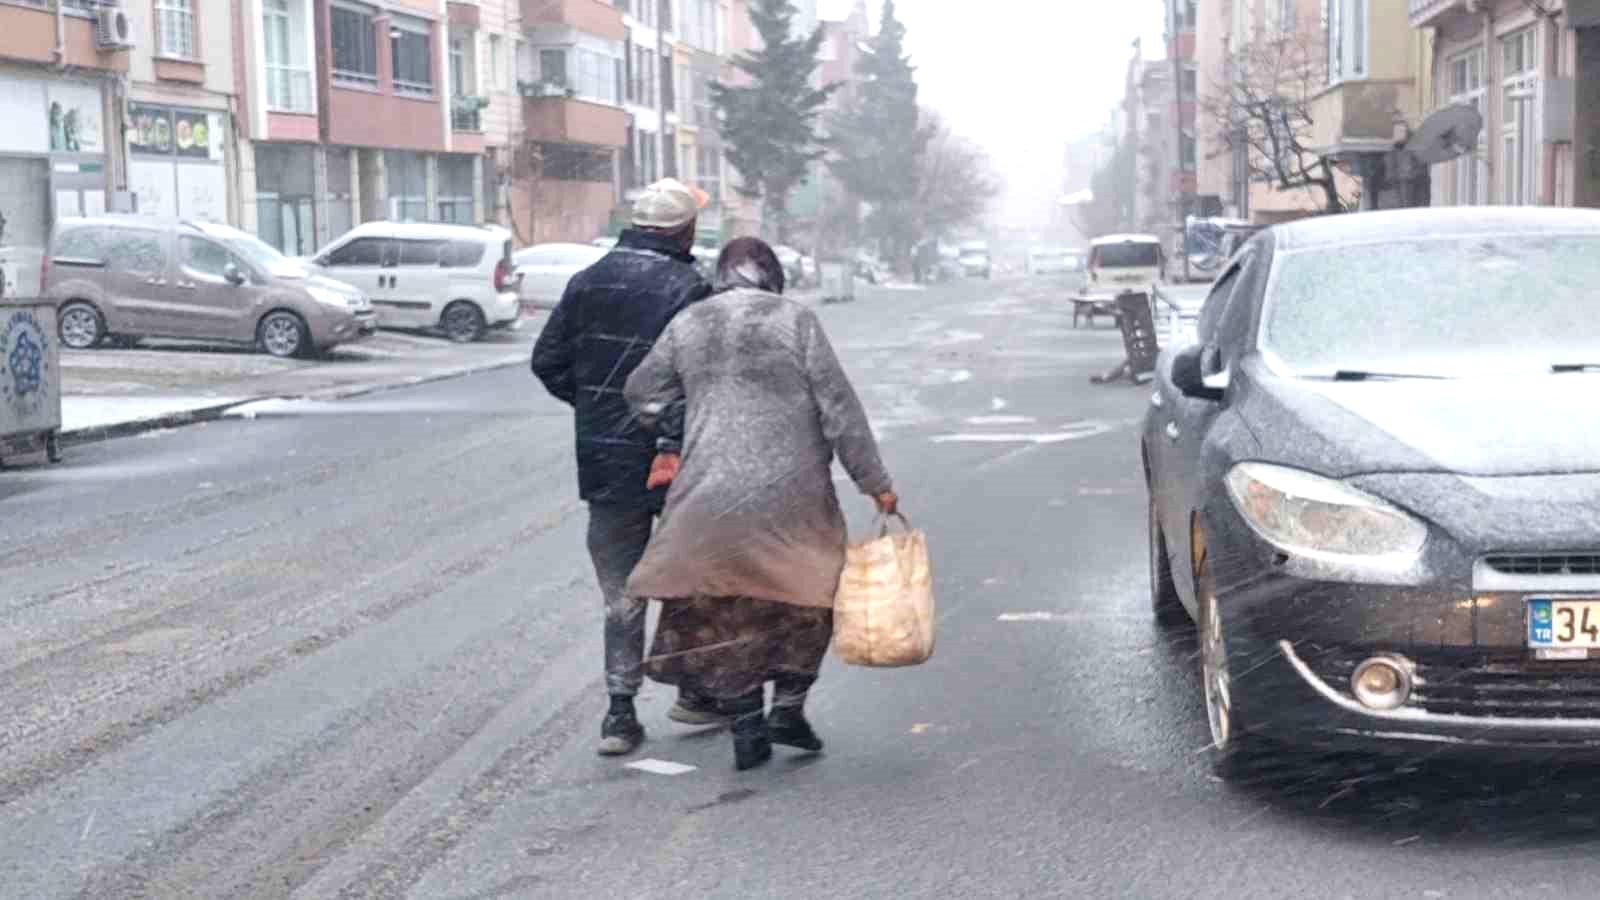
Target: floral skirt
<point x="726" y="647"/>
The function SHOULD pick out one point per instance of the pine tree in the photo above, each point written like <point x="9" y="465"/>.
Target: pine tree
<point x="879" y="141"/>
<point x="770" y="125"/>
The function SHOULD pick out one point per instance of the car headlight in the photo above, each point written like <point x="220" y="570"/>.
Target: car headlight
<point x="1309" y="515"/>
<point x="331" y="298"/>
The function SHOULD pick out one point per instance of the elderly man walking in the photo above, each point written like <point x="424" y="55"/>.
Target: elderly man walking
<point x="605" y="324"/>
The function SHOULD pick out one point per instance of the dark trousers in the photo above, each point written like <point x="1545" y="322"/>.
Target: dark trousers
<point x="618" y="536"/>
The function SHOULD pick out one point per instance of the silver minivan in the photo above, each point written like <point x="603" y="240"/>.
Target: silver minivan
<point x="120" y="278"/>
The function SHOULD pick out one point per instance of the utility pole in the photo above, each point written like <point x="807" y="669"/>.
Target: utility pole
<point x="1174" y="32"/>
<point x="663" y="15"/>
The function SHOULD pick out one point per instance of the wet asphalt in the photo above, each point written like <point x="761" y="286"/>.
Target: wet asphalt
<point x="352" y="650"/>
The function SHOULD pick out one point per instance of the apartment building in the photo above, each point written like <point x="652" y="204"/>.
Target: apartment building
<point x="1375" y="93"/>
<point x="1150" y="108"/>
<point x="741" y="215"/>
<point x="360" y="110"/>
<point x="1533" y="72"/>
<point x="698" y="49"/>
<point x="574" y="75"/>
<point x="177" y="118"/>
<point x="649" y="95"/>
<point x="60" y="98"/>
<point x="1182" y="138"/>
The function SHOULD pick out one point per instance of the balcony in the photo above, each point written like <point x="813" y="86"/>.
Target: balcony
<point x="565" y="120"/>
<point x="466" y="113"/>
<point x="1361" y="116"/>
<point x="596" y="17"/>
<point x="1430" y="13"/>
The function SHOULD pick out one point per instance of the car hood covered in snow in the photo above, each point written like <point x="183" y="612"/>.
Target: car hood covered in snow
<point x="1480" y="426"/>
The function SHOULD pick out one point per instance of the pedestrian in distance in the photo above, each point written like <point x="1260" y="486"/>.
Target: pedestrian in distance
<point x="748" y="558"/>
<point x="607" y="320"/>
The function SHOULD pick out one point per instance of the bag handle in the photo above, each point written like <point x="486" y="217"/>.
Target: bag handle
<point x="883" y="523"/>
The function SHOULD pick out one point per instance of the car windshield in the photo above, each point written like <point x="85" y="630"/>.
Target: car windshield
<point x="1445" y="306"/>
<point x="254" y="251"/>
<point x="1132" y="254"/>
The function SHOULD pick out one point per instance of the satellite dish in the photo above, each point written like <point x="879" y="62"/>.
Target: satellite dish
<point x="1445" y="135"/>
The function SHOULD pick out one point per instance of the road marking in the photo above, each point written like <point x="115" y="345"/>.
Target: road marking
<point x="1063" y="617"/>
<point x="997" y="404"/>
<point x="660" y="767"/>
<point x="1070" y="433"/>
<point x="1001" y="420"/>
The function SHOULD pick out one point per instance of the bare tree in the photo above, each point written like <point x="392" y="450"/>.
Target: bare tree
<point x="1263" y="110"/>
<point x="956" y="183"/>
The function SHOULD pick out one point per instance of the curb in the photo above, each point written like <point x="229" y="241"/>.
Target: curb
<point x="201" y="415"/>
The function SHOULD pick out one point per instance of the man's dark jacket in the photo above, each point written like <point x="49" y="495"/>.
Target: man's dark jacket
<point x="608" y="319"/>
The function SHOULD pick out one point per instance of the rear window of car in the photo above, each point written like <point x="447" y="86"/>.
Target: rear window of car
<point x="1127" y="256"/>
<point x="463" y="254"/>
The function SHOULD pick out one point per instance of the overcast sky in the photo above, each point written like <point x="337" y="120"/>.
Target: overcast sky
<point x="1061" y="62"/>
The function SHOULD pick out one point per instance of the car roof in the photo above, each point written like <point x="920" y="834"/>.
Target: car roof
<point x="1125" y="239"/>
<point x="1351" y="229"/>
<point x="430" y="230"/>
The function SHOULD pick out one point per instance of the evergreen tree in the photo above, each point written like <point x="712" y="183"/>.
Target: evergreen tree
<point x="770" y="124"/>
<point x="879" y="139"/>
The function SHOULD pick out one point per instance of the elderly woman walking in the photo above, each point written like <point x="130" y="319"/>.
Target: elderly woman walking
<point x="750" y="406"/>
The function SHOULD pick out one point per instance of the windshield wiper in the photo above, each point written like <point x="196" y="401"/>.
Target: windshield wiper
<point x="1361" y="375"/>
<point x="1563" y="368"/>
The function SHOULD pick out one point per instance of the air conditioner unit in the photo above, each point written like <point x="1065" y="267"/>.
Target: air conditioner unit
<point x="112" y="30"/>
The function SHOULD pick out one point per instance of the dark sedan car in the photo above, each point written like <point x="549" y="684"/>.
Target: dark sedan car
<point x="1375" y="483"/>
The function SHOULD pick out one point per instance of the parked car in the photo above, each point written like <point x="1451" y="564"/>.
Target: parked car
<point x="1053" y="261"/>
<point x="1383" y="512"/>
<point x="793" y="262"/>
<point x="543" y="270"/>
<point x="131" y="277"/>
<point x="975" y="261"/>
<point x="1123" y="262"/>
<point x="949" y="267"/>
<point x="422" y="275"/>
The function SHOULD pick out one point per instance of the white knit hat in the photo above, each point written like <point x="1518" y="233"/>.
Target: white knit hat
<point x="668" y="204"/>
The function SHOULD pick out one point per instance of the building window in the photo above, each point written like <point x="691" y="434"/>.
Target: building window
<point x="412" y="46"/>
<point x="458" y="67"/>
<point x="1186" y="152"/>
<point x="1519" y="128"/>
<point x="553" y="67"/>
<point x="455" y="190"/>
<point x="175" y="28"/>
<point x="288" y="75"/>
<point x="355" y="45"/>
<point x="497" y="62"/>
<point x="1464" y="84"/>
<point x="1347" y="39"/>
<point x="708" y="172"/>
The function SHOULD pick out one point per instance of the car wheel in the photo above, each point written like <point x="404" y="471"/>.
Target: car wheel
<point x="80" y="325"/>
<point x="1232" y="747"/>
<point x="1164" y="602"/>
<point x="283" y="334"/>
<point x="463" y="322"/>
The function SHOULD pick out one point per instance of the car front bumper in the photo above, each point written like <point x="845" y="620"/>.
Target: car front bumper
<point x="1294" y="644"/>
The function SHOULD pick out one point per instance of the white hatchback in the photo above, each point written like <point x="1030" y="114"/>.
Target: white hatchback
<point x="543" y="270"/>
<point x="457" y="278"/>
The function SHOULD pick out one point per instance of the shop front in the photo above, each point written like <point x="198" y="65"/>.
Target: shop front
<point x="177" y="162"/>
<point x="52" y="165"/>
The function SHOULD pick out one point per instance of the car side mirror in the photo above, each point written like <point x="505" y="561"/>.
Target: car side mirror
<point x="232" y="275"/>
<point x="1189" y="377"/>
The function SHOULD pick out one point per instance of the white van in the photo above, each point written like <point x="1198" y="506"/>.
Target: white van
<point x="1124" y="262"/>
<point x="457" y="278"/>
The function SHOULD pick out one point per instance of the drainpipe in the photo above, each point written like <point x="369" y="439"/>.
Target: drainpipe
<point x="61" y="35"/>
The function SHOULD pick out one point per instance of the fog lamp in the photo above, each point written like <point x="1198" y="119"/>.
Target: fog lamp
<point x="1382" y="682"/>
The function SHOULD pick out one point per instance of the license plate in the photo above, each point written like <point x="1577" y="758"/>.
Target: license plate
<point x="1564" y="624"/>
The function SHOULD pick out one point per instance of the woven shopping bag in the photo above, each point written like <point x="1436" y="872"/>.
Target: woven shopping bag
<point x="883" y="613"/>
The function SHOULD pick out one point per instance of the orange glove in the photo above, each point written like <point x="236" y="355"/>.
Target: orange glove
<point x="888" y="503"/>
<point x="663" y="470"/>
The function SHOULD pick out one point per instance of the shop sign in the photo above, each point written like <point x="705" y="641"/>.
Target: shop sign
<point x="169" y="131"/>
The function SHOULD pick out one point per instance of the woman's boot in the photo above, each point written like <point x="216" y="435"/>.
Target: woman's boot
<point x="752" y="745"/>
<point x="787" y="723"/>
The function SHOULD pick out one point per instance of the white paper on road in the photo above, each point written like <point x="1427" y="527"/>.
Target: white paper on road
<point x="660" y="767"/>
